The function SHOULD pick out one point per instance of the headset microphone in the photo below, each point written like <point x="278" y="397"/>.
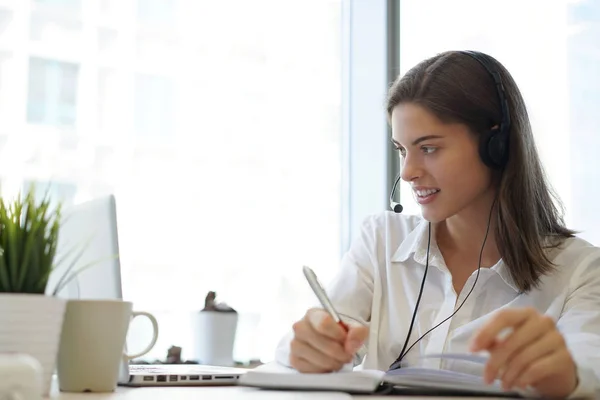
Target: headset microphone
<point x="397" y="207"/>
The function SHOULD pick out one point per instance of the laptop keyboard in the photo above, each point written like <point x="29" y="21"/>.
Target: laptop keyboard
<point x="187" y="369"/>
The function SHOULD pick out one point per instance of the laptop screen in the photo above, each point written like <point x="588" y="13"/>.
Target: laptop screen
<point x="88" y="237"/>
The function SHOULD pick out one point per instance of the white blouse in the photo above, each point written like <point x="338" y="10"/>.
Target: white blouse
<point x="379" y="281"/>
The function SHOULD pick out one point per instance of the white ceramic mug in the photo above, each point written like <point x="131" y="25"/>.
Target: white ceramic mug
<point x="92" y="342"/>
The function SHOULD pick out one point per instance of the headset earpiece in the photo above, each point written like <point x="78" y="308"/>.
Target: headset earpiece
<point x="493" y="148"/>
<point x="493" y="144"/>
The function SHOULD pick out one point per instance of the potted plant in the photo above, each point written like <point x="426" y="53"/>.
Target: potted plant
<point x="30" y="319"/>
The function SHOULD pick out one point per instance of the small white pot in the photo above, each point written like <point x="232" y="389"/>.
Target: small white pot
<point x="31" y="324"/>
<point x="214" y="337"/>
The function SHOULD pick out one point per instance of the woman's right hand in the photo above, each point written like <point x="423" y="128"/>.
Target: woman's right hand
<point x="322" y="345"/>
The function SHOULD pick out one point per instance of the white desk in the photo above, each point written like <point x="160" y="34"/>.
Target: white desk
<point x="194" y="393"/>
<point x="222" y="393"/>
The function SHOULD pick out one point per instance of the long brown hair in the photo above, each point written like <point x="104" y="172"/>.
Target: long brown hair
<point x="456" y="88"/>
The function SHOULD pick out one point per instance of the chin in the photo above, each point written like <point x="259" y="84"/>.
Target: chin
<point x="432" y="215"/>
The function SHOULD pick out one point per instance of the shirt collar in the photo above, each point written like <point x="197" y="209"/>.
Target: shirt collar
<point x="502" y="269"/>
<point x="416" y="239"/>
<point x="416" y="244"/>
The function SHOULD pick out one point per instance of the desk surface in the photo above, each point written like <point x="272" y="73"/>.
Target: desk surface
<point x="221" y="393"/>
<point x="182" y="393"/>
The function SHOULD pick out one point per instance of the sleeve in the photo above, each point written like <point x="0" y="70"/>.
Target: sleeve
<point x="580" y="325"/>
<point x="351" y="291"/>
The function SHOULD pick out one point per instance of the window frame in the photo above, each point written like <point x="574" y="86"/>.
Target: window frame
<point x="371" y="62"/>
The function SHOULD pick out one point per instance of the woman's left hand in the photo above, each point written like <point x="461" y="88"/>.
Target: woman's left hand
<point x="533" y="354"/>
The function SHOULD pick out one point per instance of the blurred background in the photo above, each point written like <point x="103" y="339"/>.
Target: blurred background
<point x="246" y="138"/>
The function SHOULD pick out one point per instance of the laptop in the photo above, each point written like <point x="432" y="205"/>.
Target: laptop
<point x="93" y="224"/>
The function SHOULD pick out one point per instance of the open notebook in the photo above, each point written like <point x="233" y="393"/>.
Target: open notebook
<point x="410" y="380"/>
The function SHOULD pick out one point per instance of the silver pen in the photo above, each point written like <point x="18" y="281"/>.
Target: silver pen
<point x="311" y="277"/>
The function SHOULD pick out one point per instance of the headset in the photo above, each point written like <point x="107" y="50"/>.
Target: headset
<point x="395" y="206"/>
<point x="493" y="151"/>
<point x="493" y="143"/>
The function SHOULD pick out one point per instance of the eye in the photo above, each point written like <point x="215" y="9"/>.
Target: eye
<point x="428" y="149"/>
<point x="401" y="150"/>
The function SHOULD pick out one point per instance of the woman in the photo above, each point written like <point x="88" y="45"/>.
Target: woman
<point x="490" y="267"/>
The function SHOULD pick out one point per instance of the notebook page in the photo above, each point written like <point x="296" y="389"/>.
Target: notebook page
<point x="364" y="381"/>
<point x="476" y="358"/>
<point x="449" y="380"/>
<point x="274" y="367"/>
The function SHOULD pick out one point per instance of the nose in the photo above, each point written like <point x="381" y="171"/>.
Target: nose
<point x="410" y="168"/>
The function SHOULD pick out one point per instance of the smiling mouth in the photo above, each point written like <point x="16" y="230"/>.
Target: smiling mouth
<point x="426" y="193"/>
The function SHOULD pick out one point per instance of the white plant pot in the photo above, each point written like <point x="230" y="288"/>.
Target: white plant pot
<point x="31" y="324"/>
<point x="214" y="337"/>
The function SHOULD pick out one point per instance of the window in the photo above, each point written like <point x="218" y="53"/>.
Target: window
<point x="55" y="22"/>
<point x="552" y="51"/>
<point x="154" y="106"/>
<point x="5" y="89"/>
<point x="155" y="11"/>
<point x="6" y="19"/>
<point x="52" y="92"/>
<point x="107" y="40"/>
<point x="73" y="4"/>
<point x="216" y="124"/>
<point x="107" y="102"/>
<point x="55" y="191"/>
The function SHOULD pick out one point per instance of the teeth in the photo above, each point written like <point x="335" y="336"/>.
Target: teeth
<point x="424" y="193"/>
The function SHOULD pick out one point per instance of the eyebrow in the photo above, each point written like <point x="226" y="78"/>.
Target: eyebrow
<point x="419" y="140"/>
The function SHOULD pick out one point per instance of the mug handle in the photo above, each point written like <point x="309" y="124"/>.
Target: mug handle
<point x="154" y="334"/>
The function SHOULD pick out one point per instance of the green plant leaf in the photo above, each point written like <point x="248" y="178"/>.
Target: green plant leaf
<point x="28" y="239"/>
<point x="50" y="254"/>
<point x="29" y="233"/>
<point x="33" y="277"/>
<point x="32" y="226"/>
<point x="33" y="267"/>
<point x="11" y="248"/>
<point x="4" y="280"/>
<point x="4" y="243"/>
<point x="19" y="233"/>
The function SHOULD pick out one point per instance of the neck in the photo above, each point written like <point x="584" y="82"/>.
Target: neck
<point x="465" y="232"/>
